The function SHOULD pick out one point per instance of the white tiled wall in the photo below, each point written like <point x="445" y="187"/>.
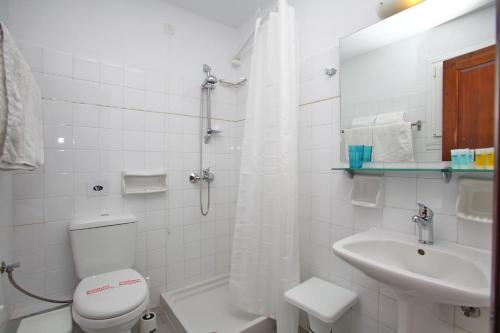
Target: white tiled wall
<point x="6" y="232"/>
<point x="105" y="111"/>
<point x="326" y="214"/>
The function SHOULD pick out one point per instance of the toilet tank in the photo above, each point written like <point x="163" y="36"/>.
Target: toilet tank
<point x="103" y="243"/>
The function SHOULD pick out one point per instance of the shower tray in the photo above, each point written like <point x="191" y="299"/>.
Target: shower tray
<point x="205" y="307"/>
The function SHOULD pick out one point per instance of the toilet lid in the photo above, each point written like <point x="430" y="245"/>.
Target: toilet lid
<point x="110" y="294"/>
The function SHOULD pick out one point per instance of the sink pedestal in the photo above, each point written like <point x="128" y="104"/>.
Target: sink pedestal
<point x="416" y="316"/>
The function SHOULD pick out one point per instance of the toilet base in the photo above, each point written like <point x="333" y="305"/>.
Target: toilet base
<point x="318" y="326"/>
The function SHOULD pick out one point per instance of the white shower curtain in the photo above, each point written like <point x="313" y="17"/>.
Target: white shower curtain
<point x="265" y="256"/>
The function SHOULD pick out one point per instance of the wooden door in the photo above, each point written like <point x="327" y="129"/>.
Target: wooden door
<point x="468" y="101"/>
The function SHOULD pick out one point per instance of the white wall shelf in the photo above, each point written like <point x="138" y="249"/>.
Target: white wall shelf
<point x="144" y="181"/>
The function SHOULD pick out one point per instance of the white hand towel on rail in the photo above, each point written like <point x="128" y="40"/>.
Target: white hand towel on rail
<point x="358" y="136"/>
<point x="390" y="118"/>
<point x="393" y="143"/>
<point x="21" y="139"/>
<point x="363" y="121"/>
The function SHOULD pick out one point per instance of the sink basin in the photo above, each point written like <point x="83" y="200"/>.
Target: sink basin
<point x="422" y="275"/>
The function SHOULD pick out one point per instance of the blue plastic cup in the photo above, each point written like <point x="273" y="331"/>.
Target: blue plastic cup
<point x="367" y="153"/>
<point x="356" y="156"/>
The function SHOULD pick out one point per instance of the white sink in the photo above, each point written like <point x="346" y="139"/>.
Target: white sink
<point x="421" y="275"/>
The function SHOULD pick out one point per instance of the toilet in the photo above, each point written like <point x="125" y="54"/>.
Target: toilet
<point x="111" y="296"/>
<point x="323" y="302"/>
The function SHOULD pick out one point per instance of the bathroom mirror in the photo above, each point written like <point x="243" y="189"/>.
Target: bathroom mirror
<point x="420" y="83"/>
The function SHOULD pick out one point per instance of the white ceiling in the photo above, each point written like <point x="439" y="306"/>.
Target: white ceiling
<point x="230" y="12"/>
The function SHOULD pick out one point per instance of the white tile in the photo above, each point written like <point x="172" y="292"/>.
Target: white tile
<point x="133" y="140"/>
<point x="388" y="312"/>
<point x="154" y="122"/>
<point x="192" y="268"/>
<point x="58" y="137"/>
<point x="156" y="239"/>
<point x="55" y="62"/>
<point x="134" y="99"/>
<point x="27" y="237"/>
<point x="58" y="209"/>
<point x="28" y="211"/>
<point x="155" y="101"/>
<point x="111" y="139"/>
<point x="111" y="74"/>
<point x="33" y="56"/>
<point x="401" y="192"/>
<point x="156" y="258"/>
<point x="86" y="115"/>
<point x="396" y="219"/>
<point x="56" y="233"/>
<point x="111" y="117"/>
<point x="57" y="87"/>
<point x="133" y="120"/>
<point x="86" y="92"/>
<point x="342" y="213"/>
<point x="58" y="256"/>
<point x="320" y="233"/>
<point x="156" y="81"/>
<point x="134" y="78"/>
<point x="368" y="304"/>
<point x="28" y="186"/>
<point x="445" y="227"/>
<point x="85" y="69"/>
<point x="58" y="161"/>
<point x="111" y="95"/>
<point x="86" y="137"/>
<point x="154" y="142"/>
<point x="58" y="280"/>
<point x="57" y="112"/>
<point x="440" y="197"/>
<point x="86" y="161"/>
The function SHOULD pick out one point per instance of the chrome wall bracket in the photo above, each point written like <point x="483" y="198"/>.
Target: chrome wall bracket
<point x="471" y="312"/>
<point x="4" y="268"/>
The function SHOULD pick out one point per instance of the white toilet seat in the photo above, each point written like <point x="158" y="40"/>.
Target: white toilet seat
<point x="109" y="302"/>
<point x="103" y="324"/>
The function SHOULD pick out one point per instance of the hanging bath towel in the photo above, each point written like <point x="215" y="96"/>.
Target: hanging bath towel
<point x="21" y="139"/>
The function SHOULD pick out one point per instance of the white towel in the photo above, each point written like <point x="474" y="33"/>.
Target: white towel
<point x="358" y="136"/>
<point x="21" y="139"/>
<point x="363" y="121"/>
<point x="393" y="143"/>
<point x="390" y="118"/>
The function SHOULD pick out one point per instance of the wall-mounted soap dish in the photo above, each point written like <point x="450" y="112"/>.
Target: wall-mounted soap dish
<point x="367" y="191"/>
<point x="475" y="200"/>
<point x="144" y="181"/>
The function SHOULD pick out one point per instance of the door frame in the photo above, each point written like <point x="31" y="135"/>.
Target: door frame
<point x="495" y="280"/>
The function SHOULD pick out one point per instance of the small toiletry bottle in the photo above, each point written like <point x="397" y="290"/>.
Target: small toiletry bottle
<point x="480" y="158"/>
<point x="455" y="159"/>
<point x="490" y="158"/>
<point x="463" y="159"/>
<point x="471" y="159"/>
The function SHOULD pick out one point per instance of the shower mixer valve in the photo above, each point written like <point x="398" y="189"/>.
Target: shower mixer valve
<point x="206" y="175"/>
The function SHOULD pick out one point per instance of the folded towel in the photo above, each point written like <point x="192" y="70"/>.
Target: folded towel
<point x="358" y="136"/>
<point x="390" y="118"/>
<point x="393" y="143"/>
<point x="21" y="139"/>
<point x="363" y="121"/>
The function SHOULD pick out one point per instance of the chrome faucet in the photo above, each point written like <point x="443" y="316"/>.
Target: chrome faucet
<point x="424" y="221"/>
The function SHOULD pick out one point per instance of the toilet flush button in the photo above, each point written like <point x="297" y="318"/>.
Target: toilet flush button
<point x="98" y="188"/>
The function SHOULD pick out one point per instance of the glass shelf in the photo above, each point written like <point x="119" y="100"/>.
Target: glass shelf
<point x="445" y="170"/>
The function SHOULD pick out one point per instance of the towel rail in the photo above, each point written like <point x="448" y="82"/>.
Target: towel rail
<point x="417" y="124"/>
